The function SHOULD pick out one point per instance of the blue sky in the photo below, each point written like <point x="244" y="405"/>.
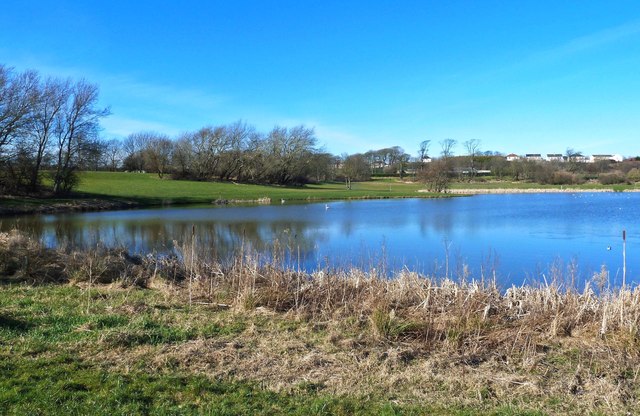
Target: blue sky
<point x="520" y="76"/>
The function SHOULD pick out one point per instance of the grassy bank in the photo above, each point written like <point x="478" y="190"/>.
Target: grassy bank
<point x="112" y="190"/>
<point x="103" y="332"/>
<point x="119" y="190"/>
<point x="149" y="188"/>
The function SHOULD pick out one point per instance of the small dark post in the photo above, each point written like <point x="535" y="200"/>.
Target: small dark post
<point x="624" y="258"/>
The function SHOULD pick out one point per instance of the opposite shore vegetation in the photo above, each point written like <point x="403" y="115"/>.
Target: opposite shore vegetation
<point x="50" y="130"/>
<point x="122" y="190"/>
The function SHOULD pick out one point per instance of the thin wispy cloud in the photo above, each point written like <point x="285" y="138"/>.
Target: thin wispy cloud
<point x="123" y="126"/>
<point x="136" y="104"/>
<point x="594" y="145"/>
<point x="142" y="106"/>
<point x="589" y="42"/>
<point x="28" y="61"/>
<point x="127" y="86"/>
<point x="534" y="60"/>
<point x="339" y="139"/>
<point x="130" y="87"/>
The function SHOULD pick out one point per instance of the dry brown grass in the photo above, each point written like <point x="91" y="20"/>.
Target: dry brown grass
<point x="356" y="332"/>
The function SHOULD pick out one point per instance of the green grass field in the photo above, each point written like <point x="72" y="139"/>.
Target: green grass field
<point x="148" y="188"/>
<point x="118" y="190"/>
<point x="145" y="189"/>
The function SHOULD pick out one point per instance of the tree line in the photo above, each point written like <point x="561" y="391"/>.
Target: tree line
<point x="49" y="127"/>
<point x="237" y="151"/>
<point x="45" y="124"/>
<point x="570" y="170"/>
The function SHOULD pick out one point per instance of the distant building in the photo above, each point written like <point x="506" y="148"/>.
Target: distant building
<point x="512" y="156"/>
<point x="555" y="157"/>
<point x="533" y="156"/>
<point x="466" y="171"/>
<point x="612" y="158"/>
<point x="580" y="159"/>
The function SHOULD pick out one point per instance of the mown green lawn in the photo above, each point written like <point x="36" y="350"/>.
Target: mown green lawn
<point x="145" y="189"/>
<point x="151" y="189"/>
<point x="148" y="189"/>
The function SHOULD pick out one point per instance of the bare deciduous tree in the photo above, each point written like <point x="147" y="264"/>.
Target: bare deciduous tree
<point x="182" y="157"/>
<point x="78" y="121"/>
<point x="157" y="154"/>
<point x="113" y="154"/>
<point x="423" y="152"/>
<point x="573" y="157"/>
<point x="133" y="150"/>
<point x="473" y="149"/>
<point x="237" y="135"/>
<point x="52" y="98"/>
<point x="355" y="168"/>
<point x="18" y="95"/>
<point x="287" y="151"/>
<point x="438" y="174"/>
<point x="447" y="146"/>
<point x="207" y="144"/>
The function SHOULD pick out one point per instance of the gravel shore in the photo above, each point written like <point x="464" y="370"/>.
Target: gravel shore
<point x="528" y="191"/>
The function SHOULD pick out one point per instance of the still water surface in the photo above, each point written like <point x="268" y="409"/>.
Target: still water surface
<point x="523" y="237"/>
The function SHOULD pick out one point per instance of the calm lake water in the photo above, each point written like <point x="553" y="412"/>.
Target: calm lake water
<point x="523" y="237"/>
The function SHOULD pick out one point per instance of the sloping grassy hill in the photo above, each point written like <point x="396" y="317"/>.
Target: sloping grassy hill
<point x="119" y="190"/>
<point x="148" y="188"/>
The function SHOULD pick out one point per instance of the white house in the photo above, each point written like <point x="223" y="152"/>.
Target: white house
<point x="512" y="156"/>
<point x="580" y="159"/>
<point x="555" y="157"/>
<point x="612" y="158"/>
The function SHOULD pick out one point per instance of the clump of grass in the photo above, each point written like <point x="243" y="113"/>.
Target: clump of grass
<point x="25" y="260"/>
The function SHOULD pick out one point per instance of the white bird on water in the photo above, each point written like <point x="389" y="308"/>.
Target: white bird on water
<point x="282" y="201"/>
<point x="608" y="248"/>
<point x="326" y="206"/>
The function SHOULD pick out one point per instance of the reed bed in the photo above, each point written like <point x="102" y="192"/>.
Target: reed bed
<point x="422" y="337"/>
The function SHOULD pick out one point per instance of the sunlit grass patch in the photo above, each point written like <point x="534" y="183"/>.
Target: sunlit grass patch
<point x="149" y="187"/>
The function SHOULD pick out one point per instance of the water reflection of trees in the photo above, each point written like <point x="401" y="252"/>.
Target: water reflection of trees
<point x="367" y="234"/>
<point x="221" y="239"/>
